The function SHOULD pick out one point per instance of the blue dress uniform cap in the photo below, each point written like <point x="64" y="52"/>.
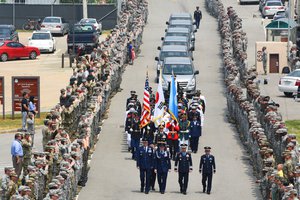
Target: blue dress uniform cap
<point x="207" y="148"/>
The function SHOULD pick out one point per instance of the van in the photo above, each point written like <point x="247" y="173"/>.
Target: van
<point x="170" y="51"/>
<point x="184" y="71"/>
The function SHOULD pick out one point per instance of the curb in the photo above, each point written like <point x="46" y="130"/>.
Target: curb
<point x="16" y="130"/>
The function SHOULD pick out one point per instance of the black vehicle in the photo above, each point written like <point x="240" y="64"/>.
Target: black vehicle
<point x="83" y="35"/>
<point x="8" y="32"/>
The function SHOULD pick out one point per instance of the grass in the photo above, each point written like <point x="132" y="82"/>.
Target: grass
<point x="11" y="124"/>
<point x="294" y="127"/>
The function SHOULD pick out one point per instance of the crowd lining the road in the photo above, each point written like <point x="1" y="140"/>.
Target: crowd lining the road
<point x="273" y="152"/>
<point x="72" y="127"/>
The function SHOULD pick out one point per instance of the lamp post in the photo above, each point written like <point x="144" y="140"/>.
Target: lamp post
<point x="289" y="30"/>
<point x="14" y="13"/>
<point x="73" y="36"/>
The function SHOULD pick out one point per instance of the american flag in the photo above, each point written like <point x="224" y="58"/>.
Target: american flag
<point x="145" y="118"/>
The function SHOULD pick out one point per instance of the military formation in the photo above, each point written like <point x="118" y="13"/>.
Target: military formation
<point x="273" y="152"/>
<point x="171" y="140"/>
<point x="71" y="128"/>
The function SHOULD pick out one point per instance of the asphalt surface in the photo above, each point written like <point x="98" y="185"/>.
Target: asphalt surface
<point x="113" y="175"/>
<point x="5" y="144"/>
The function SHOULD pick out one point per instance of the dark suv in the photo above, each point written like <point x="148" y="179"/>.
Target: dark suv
<point x="8" y="32"/>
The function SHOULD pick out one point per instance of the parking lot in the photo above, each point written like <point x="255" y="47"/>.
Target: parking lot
<point x="47" y="65"/>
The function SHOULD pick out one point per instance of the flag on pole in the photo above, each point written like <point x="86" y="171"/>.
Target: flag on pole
<point x="145" y="118"/>
<point x="159" y="105"/>
<point x="173" y="109"/>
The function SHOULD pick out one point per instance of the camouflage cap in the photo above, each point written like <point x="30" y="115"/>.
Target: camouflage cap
<point x="13" y="174"/>
<point x="52" y="185"/>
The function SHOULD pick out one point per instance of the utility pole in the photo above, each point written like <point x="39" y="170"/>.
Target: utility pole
<point x="84" y="9"/>
<point x="289" y="29"/>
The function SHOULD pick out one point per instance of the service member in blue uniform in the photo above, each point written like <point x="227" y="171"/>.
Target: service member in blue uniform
<point x="207" y="168"/>
<point x="162" y="165"/>
<point x="195" y="133"/>
<point x="183" y="165"/>
<point x="145" y="163"/>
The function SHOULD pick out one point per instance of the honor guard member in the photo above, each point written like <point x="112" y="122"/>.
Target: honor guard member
<point x="195" y="133"/>
<point x="133" y="128"/>
<point x="172" y="138"/>
<point x="138" y="105"/>
<point x="145" y="162"/>
<point x="161" y="136"/>
<point x="184" y="129"/>
<point x="193" y="112"/>
<point x="207" y="168"/>
<point x="183" y="165"/>
<point x="202" y="100"/>
<point x="162" y="165"/>
<point x="132" y="93"/>
<point x="148" y="132"/>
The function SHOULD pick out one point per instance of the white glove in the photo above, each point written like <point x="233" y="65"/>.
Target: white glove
<point x="131" y="130"/>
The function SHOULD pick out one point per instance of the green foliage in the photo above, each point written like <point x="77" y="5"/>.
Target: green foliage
<point x="293" y="127"/>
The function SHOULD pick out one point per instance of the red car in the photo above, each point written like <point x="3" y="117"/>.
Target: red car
<point x="12" y="50"/>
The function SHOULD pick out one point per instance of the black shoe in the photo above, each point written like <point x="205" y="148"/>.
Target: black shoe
<point x="146" y="192"/>
<point x="184" y="192"/>
<point x="203" y="190"/>
<point x="195" y="152"/>
<point x="162" y="192"/>
<point x="208" y="192"/>
<point x="153" y="189"/>
<point x="181" y="191"/>
<point x="142" y="189"/>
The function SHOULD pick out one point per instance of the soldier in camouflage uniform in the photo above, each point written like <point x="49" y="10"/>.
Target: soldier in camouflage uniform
<point x="27" y="147"/>
<point x="288" y="167"/>
<point x="6" y="180"/>
<point x="12" y="188"/>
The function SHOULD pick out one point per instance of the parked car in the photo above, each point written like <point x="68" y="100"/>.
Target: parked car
<point x="84" y="36"/>
<point x="8" y="32"/>
<point x="177" y="40"/>
<point x="42" y="40"/>
<point x="56" y="25"/>
<point x="170" y="51"/>
<point x="248" y="1"/>
<point x="262" y="4"/>
<point x="272" y="7"/>
<point x="183" y="24"/>
<point x="13" y="50"/>
<point x="289" y="83"/>
<point x="97" y="25"/>
<point x="181" y="32"/>
<point x="185" y="72"/>
<point x="279" y="15"/>
<point x="181" y="16"/>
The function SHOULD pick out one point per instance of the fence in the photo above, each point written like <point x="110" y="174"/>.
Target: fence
<point x="17" y="14"/>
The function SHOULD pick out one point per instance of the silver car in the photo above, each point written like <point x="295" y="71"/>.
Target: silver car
<point x="180" y="16"/>
<point x="177" y="40"/>
<point x="183" y="24"/>
<point x="97" y="25"/>
<point x="289" y="84"/>
<point x="181" y="32"/>
<point x="185" y="72"/>
<point x="56" y="25"/>
<point x="271" y="8"/>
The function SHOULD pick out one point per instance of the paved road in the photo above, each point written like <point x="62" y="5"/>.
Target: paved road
<point x="113" y="174"/>
<point x="6" y="140"/>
